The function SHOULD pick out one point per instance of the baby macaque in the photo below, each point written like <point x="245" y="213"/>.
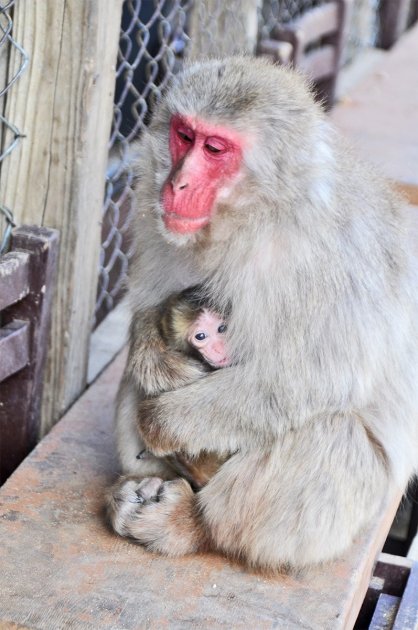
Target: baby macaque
<point x="206" y="336"/>
<point x="189" y="325"/>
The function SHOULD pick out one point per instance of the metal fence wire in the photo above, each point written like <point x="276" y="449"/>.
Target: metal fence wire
<point x="152" y="45"/>
<point x="153" y="42"/>
<point x="13" y="61"/>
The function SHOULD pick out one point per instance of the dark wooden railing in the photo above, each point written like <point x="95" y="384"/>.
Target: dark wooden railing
<point x="27" y="278"/>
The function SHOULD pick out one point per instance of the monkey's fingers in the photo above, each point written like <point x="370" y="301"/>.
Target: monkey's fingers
<point x="152" y="429"/>
<point x="148" y="489"/>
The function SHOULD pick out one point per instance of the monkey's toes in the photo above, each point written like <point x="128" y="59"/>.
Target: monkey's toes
<point x="134" y="491"/>
<point x="125" y="501"/>
<point x="148" y="489"/>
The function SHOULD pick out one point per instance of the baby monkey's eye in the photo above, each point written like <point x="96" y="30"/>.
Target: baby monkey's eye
<point x="222" y="328"/>
<point x="200" y="336"/>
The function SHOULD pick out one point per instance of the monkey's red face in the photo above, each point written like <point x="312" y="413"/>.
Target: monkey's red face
<point x="205" y="159"/>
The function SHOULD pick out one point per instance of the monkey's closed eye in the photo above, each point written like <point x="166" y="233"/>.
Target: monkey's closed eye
<point x="212" y="149"/>
<point x="185" y="135"/>
<point x="216" y="145"/>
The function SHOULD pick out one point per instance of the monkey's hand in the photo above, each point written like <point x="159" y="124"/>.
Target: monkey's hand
<point x="155" y="367"/>
<point x="155" y="438"/>
<point x="219" y="414"/>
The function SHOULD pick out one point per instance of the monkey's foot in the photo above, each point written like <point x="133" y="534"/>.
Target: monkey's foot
<point x="161" y="515"/>
<point x="133" y="492"/>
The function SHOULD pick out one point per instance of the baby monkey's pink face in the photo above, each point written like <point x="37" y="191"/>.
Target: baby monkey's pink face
<point x="207" y="335"/>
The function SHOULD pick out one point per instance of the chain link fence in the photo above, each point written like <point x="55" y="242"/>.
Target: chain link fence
<point x="152" y="43"/>
<point x="10" y="52"/>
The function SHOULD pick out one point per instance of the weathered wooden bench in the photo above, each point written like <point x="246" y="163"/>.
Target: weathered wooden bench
<point x="27" y="274"/>
<point x="62" y="567"/>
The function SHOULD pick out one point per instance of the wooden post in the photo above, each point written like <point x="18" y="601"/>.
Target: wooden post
<point x="64" y="108"/>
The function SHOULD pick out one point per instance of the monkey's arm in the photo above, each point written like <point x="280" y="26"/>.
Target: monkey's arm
<point x="154" y="367"/>
<point x="212" y="415"/>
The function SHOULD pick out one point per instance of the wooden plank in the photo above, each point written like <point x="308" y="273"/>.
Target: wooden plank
<point x="407" y="617"/>
<point x="390" y="576"/>
<point x="21" y="394"/>
<point x="394" y="574"/>
<point x="322" y="27"/>
<point x="14" y="278"/>
<point x="366" y="561"/>
<point x="14" y="348"/>
<point x="413" y="550"/>
<point x="83" y="576"/>
<point x="319" y="63"/>
<point x="393" y="20"/>
<point x="319" y="21"/>
<point x="385" y="612"/>
<point x="277" y="51"/>
<point x="397" y="561"/>
<point x="64" y="108"/>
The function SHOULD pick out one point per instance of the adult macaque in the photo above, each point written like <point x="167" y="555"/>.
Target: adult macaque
<point x="190" y="330"/>
<point x="244" y="187"/>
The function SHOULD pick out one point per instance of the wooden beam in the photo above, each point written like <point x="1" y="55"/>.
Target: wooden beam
<point x="385" y="612"/>
<point x="407" y="616"/>
<point x="14" y="348"/>
<point x="14" y="278"/>
<point x="64" y="108"/>
<point x="55" y="499"/>
<point x="21" y="395"/>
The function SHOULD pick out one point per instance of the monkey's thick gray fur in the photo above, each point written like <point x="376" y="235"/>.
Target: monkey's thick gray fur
<point x="310" y="247"/>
